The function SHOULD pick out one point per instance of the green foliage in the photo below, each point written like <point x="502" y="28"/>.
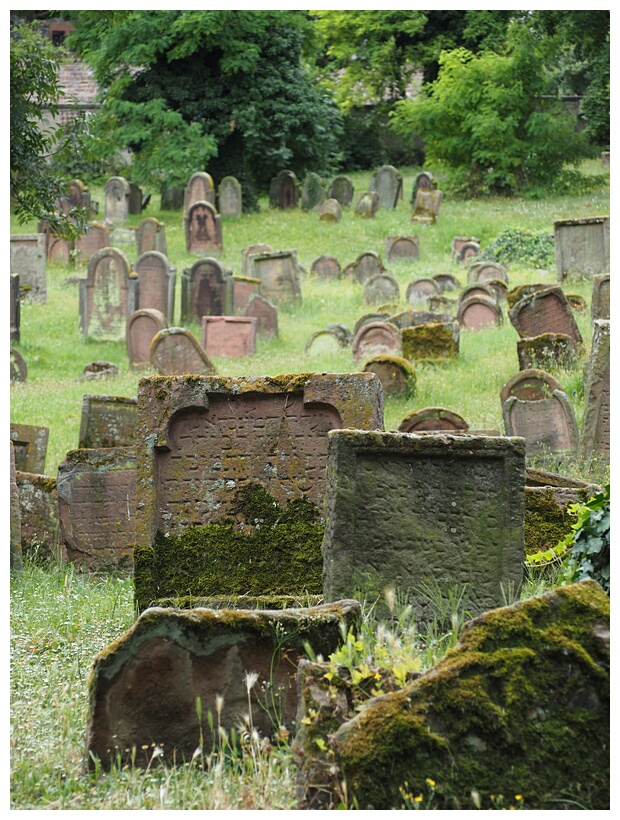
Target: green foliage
<point x="532" y="249"/>
<point x="589" y="542"/>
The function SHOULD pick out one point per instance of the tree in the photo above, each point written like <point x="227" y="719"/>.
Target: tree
<point x="34" y="94"/>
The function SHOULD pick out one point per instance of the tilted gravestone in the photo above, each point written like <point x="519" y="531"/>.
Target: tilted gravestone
<point x="279" y="276"/>
<point x="199" y="188"/>
<point x="116" y="201"/>
<point x="96" y="238"/>
<point x="388" y="183"/>
<point x="403" y="508"/>
<point x="381" y="288"/>
<point x="483" y="271"/>
<point x="207" y="289"/>
<point x="330" y="211"/>
<point x="97" y="507"/>
<point x="547" y="425"/>
<point x="203" y="228"/>
<point x="433" y="420"/>
<point x="595" y="436"/>
<point x="142" y="326"/>
<point x="266" y="316"/>
<point x="174" y="350"/>
<point x="108" y="421"/>
<point x="29" y="447"/>
<point x="312" y="192"/>
<point x="396" y="374"/>
<point x="367" y="204"/>
<point x="426" y="206"/>
<point x="284" y="190"/>
<point x="544" y="311"/>
<point x="247" y="253"/>
<point x="228" y="336"/>
<point x="376" y="337"/>
<point x="229" y="197"/>
<point x="600" y="305"/>
<point x="38" y="506"/>
<point x="218" y="456"/>
<point x="146" y="685"/>
<point x="421" y="290"/>
<point x="581" y="247"/>
<point x="108" y="296"/>
<point x="477" y="312"/>
<point x="156" y="283"/>
<point x="28" y="260"/>
<point x="515" y="295"/>
<point x="151" y="236"/>
<point x="244" y="288"/>
<point x="366" y="265"/>
<point x="342" y="190"/>
<point x="14" y="307"/>
<point x="326" y="267"/>
<point x="402" y="248"/>
<point x="431" y="341"/>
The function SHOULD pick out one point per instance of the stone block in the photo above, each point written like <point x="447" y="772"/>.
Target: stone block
<point x="38" y="506"/>
<point x="229" y="336"/>
<point x="581" y="247"/>
<point x="30" y="447"/>
<point x="108" y="421"/>
<point x="28" y="260"/>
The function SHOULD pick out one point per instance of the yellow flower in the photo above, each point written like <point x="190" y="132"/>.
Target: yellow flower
<point x="417" y="799"/>
<point x="518" y="797"/>
<point x="430" y="782"/>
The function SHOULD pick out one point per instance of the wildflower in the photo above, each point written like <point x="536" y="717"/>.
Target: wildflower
<point x="250" y="679"/>
<point x="430" y="782"/>
<point x="518" y="797"/>
<point x="219" y="704"/>
<point x="417" y="799"/>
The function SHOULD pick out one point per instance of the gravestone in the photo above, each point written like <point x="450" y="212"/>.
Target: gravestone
<point x="58" y="250"/>
<point x="142" y="326"/>
<point x="595" y="437"/>
<point x="388" y="183"/>
<point x="468" y="251"/>
<point x="342" y="190"/>
<point x="19" y="371"/>
<point x="459" y="242"/>
<point x="97" y="507"/>
<point x="426" y="206"/>
<point x="146" y="685"/>
<point x="203" y="228"/>
<point x="15" y="524"/>
<point x="478" y="312"/>
<point x="244" y="288"/>
<point x="76" y="196"/>
<point x="172" y="197"/>
<point x="28" y="260"/>
<point x="116" y="203"/>
<point x="374" y="338"/>
<point x="500" y="287"/>
<point x="174" y="351"/>
<point x="246" y="253"/>
<point x="326" y="342"/>
<point x="96" y="238"/>
<point x="384" y="493"/>
<point x="14" y="307"/>
<point x="284" y="190"/>
<point x="136" y="202"/>
<point x="475" y="289"/>
<point x="108" y="296"/>
<point x="330" y="211"/>
<point x="544" y="311"/>
<point x="229" y="197"/>
<point x="433" y="420"/>
<point x="366" y="265"/>
<point x="402" y="248"/>
<point x="207" y="289"/>
<point x="228" y="336"/>
<point x="279" y="276"/>
<point x="581" y="247"/>
<point x="326" y="267"/>
<point x="421" y="290"/>
<point x="600" y="305"/>
<point x="312" y="192"/>
<point x="380" y="288"/>
<point x="151" y="236"/>
<point x="547" y="350"/>
<point x="367" y="205"/>
<point x="446" y="282"/>
<point x="521" y="291"/>
<point x="266" y="316"/>
<point x="379" y="316"/>
<point x="530" y="385"/>
<point x="483" y="271"/>
<point x="431" y="341"/>
<point x="38" y="506"/>
<point x="199" y="188"/>
<point x="108" y="421"/>
<point x="547" y="425"/>
<point x="29" y="447"/>
<point x="156" y="283"/>
<point x="98" y="370"/>
<point x="396" y="374"/>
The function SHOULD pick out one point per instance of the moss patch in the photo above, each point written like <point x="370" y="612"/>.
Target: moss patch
<point x="546" y="521"/>
<point x="435" y="340"/>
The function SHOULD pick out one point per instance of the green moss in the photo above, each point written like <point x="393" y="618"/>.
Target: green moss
<point x="429" y="341"/>
<point x="546" y="521"/>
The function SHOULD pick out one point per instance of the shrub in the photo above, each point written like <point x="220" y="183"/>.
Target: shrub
<point x="533" y="249"/>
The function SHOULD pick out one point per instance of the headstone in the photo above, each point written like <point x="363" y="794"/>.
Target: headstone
<point x="475" y="289"/>
<point x="199" y="188"/>
<point x="28" y="260"/>
<point x="108" y="421"/>
<point x="500" y="287"/>
<point x="459" y="242"/>
<point x="156" y="283"/>
<point x="423" y="180"/>
<point x="244" y="288"/>
<point x="388" y="183"/>
<point x="468" y="251"/>
<point x="380" y="288"/>
<point x="15" y="524"/>
<point x="577" y="303"/>
<point x="146" y="685"/>
<point x="59" y="250"/>
<point x="284" y="191"/>
<point x="600" y="306"/>
<point x="420" y="290"/>
<point x="229" y="197"/>
<point x="342" y="190"/>
<point x="426" y="206"/>
<point x="247" y="253"/>
<point x="483" y="271"/>
<point x="312" y="192"/>
<point x="605" y="158"/>
<point x="478" y="312"/>
<point x="516" y="294"/>
<point x="384" y="491"/>
<point x="96" y="238"/>
<point x="228" y="336"/>
<point x="134" y="203"/>
<point x="548" y="425"/>
<point x="107" y="296"/>
<point x="142" y="326"/>
<point x="279" y="276"/>
<point x="431" y="341"/>
<point x="325" y="342"/>
<point x="29" y="447"/>
<point x="366" y="265"/>
<point x="547" y="350"/>
<point x="14" y="307"/>
<point x="203" y="229"/>
<point x="97" y="507"/>
<point x="116" y="206"/>
<point x="595" y="436"/>
<point x="581" y="247"/>
<point x="207" y="289"/>
<point x="174" y="351"/>
<point x="367" y="205"/>
<point x="326" y="267"/>
<point x="330" y="211"/>
<point x="530" y="385"/>
<point x="99" y="370"/>
<point x="19" y="371"/>
<point x="433" y="420"/>
<point x="172" y="197"/>
<point x="545" y="311"/>
<point x="374" y="338"/>
<point x="446" y="282"/>
<point x="38" y="505"/>
<point x="396" y="374"/>
<point x="367" y="318"/>
<point x="266" y="316"/>
<point x="402" y="248"/>
<point x="151" y="236"/>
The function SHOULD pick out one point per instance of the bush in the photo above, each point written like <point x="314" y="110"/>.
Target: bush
<point x="589" y="541"/>
<point x="532" y="249"/>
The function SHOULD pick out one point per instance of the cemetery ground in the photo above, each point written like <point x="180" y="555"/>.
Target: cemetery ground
<point x="61" y="619"/>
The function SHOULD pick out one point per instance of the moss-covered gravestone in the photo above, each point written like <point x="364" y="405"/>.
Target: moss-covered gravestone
<point x="108" y="421"/>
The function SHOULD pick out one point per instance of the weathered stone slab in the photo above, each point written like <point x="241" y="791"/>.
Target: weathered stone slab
<point x="446" y="282"/>
<point x="477" y="289"/>
<point x="99" y="370"/>
<point x="595" y="440"/>
<point x="396" y="374"/>
<point x="381" y="288"/>
<point x="244" y="288"/>
<point x="96" y="238"/>
<point x="229" y="197"/>
<point x="145" y="686"/>
<point x="312" y="192"/>
<point x="426" y="206"/>
<point x="600" y="307"/>
<point x="247" y="253"/>
<point x="108" y="296"/>
<point x="14" y="307"/>
<point x="174" y="351"/>
<point x="326" y="267"/>
<point x="284" y="190"/>
<point x="228" y="336"/>
<point x="423" y="180"/>
<point x="15" y="524"/>
<point x="108" y="421"/>
<point x="419" y="291"/>
<point x="342" y="190"/>
<point x="203" y="228"/>
<point x="477" y="312"/>
<point x="516" y="294"/>
<point x="156" y="283"/>
<point x="97" y="507"/>
<point x="367" y="205"/>
<point x="142" y="326"/>
<point x="402" y="248"/>
<point x="431" y="341"/>
<point x="137" y="201"/>
<point x="116" y="203"/>
<point x="29" y="447"/>
<point x="547" y="425"/>
<point x="28" y="260"/>
<point x="207" y="289"/>
<point x="151" y="236"/>
<point x="366" y="265"/>
<point x="376" y="337"/>
<point x="19" y="371"/>
<point x="38" y="507"/>
<point x="199" y="188"/>
<point x="266" y="316"/>
<point x="433" y="420"/>
<point x="544" y="311"/>
<point x="500" y="287"/>
<point x="483" y="271"/>
<point x="530" y="385"/>
<point x="547" y="350"/>
<point x="330" y="211"/>
<point x="388" y="183"/>
<point x="455" y="514"/>
<point x="581" y="247"/>
<point x="280" y="280"/>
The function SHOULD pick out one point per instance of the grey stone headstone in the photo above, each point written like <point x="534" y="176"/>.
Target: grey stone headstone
<point x="388" y="183"/>
<point x="229" y="197"/>
<point x="28" y="260"/>
<point x="116" y="200"/>
<point x="341" y="189"/>
<point x="581" y="247"/>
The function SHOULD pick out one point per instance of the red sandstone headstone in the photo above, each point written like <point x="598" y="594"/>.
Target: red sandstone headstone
<point x="244" y="288"/>
<point x="326" y="267"/>
<point x="446" y="282"/>
<point x="402" y="248"/>
<point x="530" y="385"/>
<point x="477" y="312"/>
<point x="547" y="425"/>
<point x="433" y="419"/>
<point x="156" y="283"/>
<point x="284" y="190"/>
<point x="547" y="350"/>
<point x="206" y="290"/>
<point x="58" y="250"/>
<point x="247" y="253"/>
<point x="29" y="447"/>
<point x="374" y="338"/>
<point x="397" y="376"/>
<point x="477" y="289"/>
<point x="381" y="288"/>
<point x="228" y="336"/>
<point x="142" y="326"/>
<point x="420" y="290"/>
<point x="94" y="240"/>
<point x="366" y="265"/>
<point x="544" y="311"/>
<point x="199" y="188"/>
<point x="38" y="504"/>
<point x="266" y="316"/>
<point x="175" y="351"/>
<point x="151" y="236"/>
<point x="203" y="229"/>
<point x="483" y="271"/>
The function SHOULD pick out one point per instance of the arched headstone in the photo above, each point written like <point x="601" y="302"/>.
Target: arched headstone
<point x="396" y="374"/>
<point x="324" y="342"/>
<point x="174" y="351"/>
<point x="151" y="236"/>
<point x="446" y="282"/>
<point x="203" y="230"/>
<point x="547" y="425"/>
<point x="374" y="338"/>
<point x="380" y="288"/>
<point x="366" y="265"/>
<point x="476" y="289"/>
<point x="284" y="190"/>
<point x="96" y="238"/>
<point x="402" y="248"/>
<point x="266" y="316"/>
<point x="142" y="326"/>
<point x="156" y="283"/>
<point x="367" y="205"/>
<point x="482" y="271"/>
<point x="107" y="296"/>
<point x="312" y="191"/>
<point x="206" y="290"/>
<point x="477" y="312"/>
<point x="326" y="267"/>
<point x="388" y="184"/>
<point x="530" y="385"/>
<point x="199" y="188"/>
<point x="420" y="290"/>
<point x="433" y="419"/>
<point x="342" y="190"/>
<point x="229" y="197"/>
<point x="116" y="200"/>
